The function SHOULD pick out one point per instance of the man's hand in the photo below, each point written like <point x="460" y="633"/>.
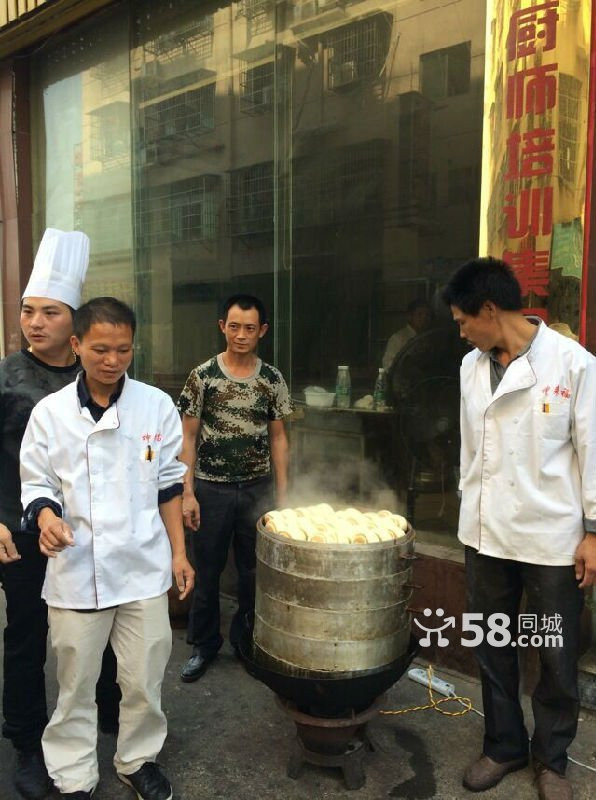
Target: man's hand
<point x="8" y="551"/>
<point x="54" y="533"/>
<point x="184" y="575"/>
<point x="191" y="512"/>
<point x="585" y="561"/>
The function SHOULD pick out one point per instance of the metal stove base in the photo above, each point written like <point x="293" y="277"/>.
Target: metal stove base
<point x="351" y="762"/>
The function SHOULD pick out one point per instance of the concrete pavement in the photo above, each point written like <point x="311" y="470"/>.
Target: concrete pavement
<point x="229" y="740"/>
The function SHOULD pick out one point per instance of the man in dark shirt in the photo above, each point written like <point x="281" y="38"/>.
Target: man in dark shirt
<point x="27" y="376"/>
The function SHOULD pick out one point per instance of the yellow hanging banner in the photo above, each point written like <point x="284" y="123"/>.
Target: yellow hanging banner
<point x="535" y="148"/>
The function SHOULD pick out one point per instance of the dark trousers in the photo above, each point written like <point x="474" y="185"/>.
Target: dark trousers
<point x="229" y="513"/>
<point x="25" y="635"/>
<point x="495" y="585"/>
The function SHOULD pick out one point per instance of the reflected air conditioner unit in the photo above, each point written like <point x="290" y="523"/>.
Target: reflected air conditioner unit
<point x="342" y="75"/>
<point x="259" y="99"/>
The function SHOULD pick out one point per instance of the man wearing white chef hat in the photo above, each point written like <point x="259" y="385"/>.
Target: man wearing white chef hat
<point x="47" y="365"/>
<point x="60" y="267"/>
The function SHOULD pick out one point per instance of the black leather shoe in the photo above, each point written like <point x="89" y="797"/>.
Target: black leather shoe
<point x="195" y="667"/>
<point x="149" y="782"/>
<point x="31" y="778"/>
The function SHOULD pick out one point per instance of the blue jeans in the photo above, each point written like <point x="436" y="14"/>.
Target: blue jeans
<point x="496" y="585"/>
<point x="229" y="514"/>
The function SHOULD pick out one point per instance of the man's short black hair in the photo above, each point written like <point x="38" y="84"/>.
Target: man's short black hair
<point x="483" y="280"/>
<point x="103" y="309"/>
<point x="245" y="302"/>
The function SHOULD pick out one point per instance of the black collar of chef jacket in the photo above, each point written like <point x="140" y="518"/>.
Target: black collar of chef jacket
<point x="87" y="401"/>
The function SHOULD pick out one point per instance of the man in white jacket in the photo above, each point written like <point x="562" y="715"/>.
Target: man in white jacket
<point x="102" y="482"/>
<point x="527" y="516"/>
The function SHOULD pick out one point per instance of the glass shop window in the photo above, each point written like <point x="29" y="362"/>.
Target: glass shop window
<point x="293" y="151"/>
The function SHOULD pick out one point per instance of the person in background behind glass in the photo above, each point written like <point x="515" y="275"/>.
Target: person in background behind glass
<point x="419" y="318"/>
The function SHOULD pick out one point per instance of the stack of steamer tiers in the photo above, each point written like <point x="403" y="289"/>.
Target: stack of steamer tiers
<point x="321" y="523"/>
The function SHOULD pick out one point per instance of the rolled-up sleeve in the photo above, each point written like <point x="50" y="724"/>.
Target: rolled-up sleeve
<point x="171" y="470"/>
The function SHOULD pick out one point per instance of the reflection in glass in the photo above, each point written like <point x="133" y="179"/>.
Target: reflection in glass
<point x="322" y="154"/>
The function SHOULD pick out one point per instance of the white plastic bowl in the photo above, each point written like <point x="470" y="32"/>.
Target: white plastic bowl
<point x="319" y="399"/>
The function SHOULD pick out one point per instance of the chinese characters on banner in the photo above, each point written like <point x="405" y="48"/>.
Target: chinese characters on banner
<point x="535" y="148"/>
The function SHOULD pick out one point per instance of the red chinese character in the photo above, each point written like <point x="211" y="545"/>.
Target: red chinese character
<point x="536" y="158"/>
<point x="557" y="390"/>
<point x="158" y="437"/>
<point x="535" y="213"/>
<point x="522" y="36"/>
<point x="540" y="91"/>
<point x="146" y="437"/>
<point x="531" y="270"/>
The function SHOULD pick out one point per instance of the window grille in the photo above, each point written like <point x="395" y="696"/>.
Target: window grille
<point x="110" y="134"/>
<point x="413" y="200"/>
<point x="184" y="115"/>
<point x="357" y="51"/>
<point x="256" y="88"/>
<point x="446" y="72"/>
<point x="260" y="23"/>
<point x="569" y="115"/>
<point x="361" y="179"/>
<point x="195" y="40"/>
<point x="251" y="200"/>
<point x="343" y="185"/>
<point x="253" y="8"/>
<point x="112" y="78"/>
<point x="306" y="9"/>
<point x="183" y="211"/>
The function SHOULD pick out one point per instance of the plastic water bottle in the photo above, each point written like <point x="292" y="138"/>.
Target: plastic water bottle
<point x="343" y="387"/>
<point x="380" y="391"/>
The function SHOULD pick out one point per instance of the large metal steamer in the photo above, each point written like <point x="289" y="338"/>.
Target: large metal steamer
<point x="331" y="635"/>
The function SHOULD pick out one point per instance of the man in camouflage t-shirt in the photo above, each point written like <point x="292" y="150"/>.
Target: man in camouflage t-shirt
<point x="236" y="450"/>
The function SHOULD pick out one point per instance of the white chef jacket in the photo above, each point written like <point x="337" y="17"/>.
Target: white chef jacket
<point x="106" y="476"/>
<point x="528" y="452"/>
<point x="397" y="342"/>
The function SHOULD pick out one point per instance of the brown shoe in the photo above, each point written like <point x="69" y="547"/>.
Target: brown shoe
<point x="486" y="773"/>
<point x="551" y="785"/>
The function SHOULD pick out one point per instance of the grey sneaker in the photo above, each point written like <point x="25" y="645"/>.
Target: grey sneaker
<point x="149" y="782"/>
<point x="485" y="773"/>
